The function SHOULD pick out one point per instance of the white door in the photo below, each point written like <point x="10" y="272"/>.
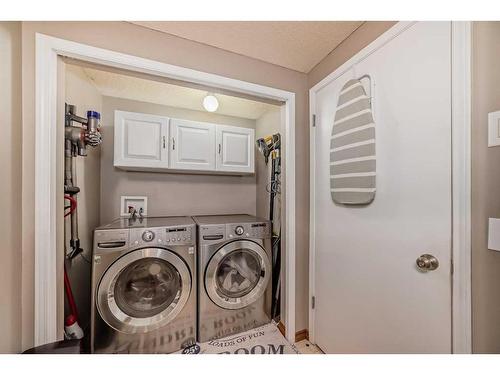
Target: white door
<point x="192" y="145"/>
<point x="235" y="149"/>
<point x="369" y="295"/>
<point x="140" y="141"/>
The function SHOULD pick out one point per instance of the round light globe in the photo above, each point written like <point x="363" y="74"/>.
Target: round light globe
<point x="210" y="103"/>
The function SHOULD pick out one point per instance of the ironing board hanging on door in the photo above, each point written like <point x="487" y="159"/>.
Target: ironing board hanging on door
<point x="352" y="146"/>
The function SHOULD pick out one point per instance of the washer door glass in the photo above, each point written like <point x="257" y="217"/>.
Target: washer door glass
<point x="237" y="274"/>
<point x="143" y="290"/>
<point x="146" y="287"/>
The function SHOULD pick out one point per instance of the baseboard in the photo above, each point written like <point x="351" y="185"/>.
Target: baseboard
<point x="299" y="336"/>
<point x="302" y="335"/>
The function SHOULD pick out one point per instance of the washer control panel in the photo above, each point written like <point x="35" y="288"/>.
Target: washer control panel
<point x="169" y="236"/>
<point x="180" y="235"/>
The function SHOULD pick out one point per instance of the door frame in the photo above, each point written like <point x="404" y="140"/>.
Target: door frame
<point x="461" y="340"/>
<point x="48" y="50"/>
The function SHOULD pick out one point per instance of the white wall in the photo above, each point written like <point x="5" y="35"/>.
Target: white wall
<point x="168" y="193"/>
<point x="80" y="92"/>
<point x="10" y="187"/>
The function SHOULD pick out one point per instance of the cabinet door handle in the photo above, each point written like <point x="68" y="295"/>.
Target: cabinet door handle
<point x="219" y="148"/>
<point x="173" y="143"/>
<point x="164" y="144"/>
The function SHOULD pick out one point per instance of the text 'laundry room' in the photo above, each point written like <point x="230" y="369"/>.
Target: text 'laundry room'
<point x="172" y="210"/>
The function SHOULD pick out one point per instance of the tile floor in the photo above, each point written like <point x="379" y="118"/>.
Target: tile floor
<point x="305" y="347"/>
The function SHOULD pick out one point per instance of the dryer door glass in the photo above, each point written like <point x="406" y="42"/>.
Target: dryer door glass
<point x="146" y="287"/>
<point x="238" y="273"/>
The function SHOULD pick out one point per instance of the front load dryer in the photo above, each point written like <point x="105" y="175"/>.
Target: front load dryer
<point x="234" y="274"/>
<point x="144" y="286"/>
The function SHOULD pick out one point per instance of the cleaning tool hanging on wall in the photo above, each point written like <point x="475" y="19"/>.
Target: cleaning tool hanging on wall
<point x="270" y="147"/>
<point x="72" y="328"/>
<point x="352" y="146"/>
<point x="76" y="140"/>
<point x="79" y="133"/>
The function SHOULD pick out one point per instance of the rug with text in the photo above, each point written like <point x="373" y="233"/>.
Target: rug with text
<point x="263" y="340"/>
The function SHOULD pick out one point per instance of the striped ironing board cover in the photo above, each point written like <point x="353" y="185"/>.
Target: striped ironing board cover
<point x="352" y="147"/>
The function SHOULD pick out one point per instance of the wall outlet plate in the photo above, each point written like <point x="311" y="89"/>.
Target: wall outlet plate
<point x="135" y="201"/>
<point x="494" y="129"/>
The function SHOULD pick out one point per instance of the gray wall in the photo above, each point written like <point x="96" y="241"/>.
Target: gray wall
<point x="485" y="188"/>
<point x="169" y="193"/>
<point x="10" y="187"/>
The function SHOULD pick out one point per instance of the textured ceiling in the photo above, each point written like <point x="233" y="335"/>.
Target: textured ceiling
<point x="297" y="45"/>
<point x="151" y="91"/>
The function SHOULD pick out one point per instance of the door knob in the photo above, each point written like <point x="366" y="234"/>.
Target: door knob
<point x="427" y="262"/>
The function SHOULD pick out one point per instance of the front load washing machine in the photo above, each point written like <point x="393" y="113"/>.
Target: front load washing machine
<point x="144" y="286"/>
<point x="234" y="274"/>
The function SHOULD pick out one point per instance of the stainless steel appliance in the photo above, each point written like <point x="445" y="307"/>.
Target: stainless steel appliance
<point x="234" y="274"/>
<point x="144" y="286"/>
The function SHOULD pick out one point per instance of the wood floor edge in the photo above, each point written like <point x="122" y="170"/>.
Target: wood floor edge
<point x="299" y="336"/>
<point x="281" y="327"/>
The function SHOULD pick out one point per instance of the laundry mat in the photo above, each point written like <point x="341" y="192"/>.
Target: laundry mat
<point x="263" y="340"/>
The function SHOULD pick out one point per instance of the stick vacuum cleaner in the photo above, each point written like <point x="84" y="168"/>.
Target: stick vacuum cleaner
<point x="270" y="147"/>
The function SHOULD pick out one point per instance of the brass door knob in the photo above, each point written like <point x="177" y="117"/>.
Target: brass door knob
<point x="427" y="262"/>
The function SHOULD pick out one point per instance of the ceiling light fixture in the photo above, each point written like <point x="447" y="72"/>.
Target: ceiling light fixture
<point x="210" y="103"/>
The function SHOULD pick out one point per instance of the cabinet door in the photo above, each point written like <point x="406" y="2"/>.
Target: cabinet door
<point x="192" y="145"/>
<point x="235" y="149"/>
<point x="140" y="141"/>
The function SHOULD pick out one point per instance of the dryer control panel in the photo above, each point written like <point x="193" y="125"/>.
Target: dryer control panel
<point x="210" y="233"/>
<point x="250" y="230"/>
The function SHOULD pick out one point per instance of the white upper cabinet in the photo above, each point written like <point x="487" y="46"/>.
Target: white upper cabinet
<point x="157" y="143"/>
<point x="192" y="145"/>
<point x="235" y="149"/>
<point x="141" y="141"/>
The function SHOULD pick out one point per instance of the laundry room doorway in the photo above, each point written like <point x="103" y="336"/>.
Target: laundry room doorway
<point x="52" y="53"/>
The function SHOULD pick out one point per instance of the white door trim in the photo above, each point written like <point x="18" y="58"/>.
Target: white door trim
<point x="461" y="54"/>
<point x="461" y="179"/>
<point x="47" y="51"/>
